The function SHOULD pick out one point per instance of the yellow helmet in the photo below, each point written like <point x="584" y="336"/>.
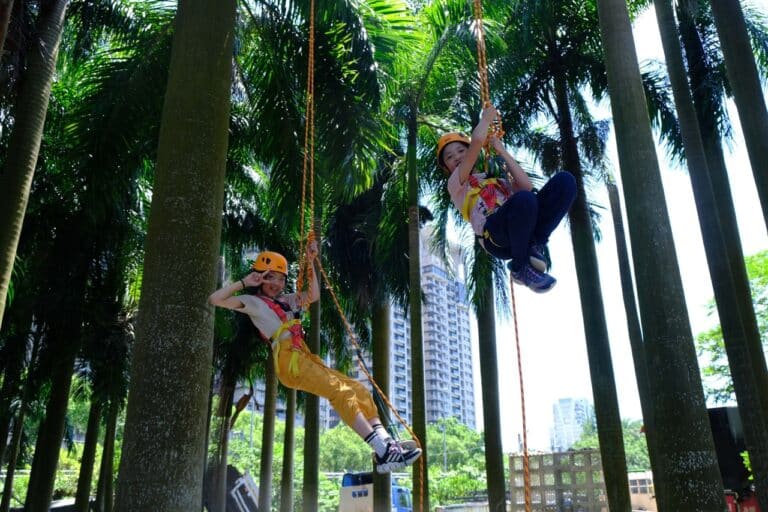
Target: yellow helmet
<point x="268" y="260"/>
<point x="447" y="139"/>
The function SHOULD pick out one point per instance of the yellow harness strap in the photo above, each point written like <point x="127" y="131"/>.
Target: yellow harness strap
<point x="293" y="364"/>
<point x="473" y="195"/>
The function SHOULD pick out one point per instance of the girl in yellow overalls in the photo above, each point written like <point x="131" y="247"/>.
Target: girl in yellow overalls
<point x="276" y="316"/>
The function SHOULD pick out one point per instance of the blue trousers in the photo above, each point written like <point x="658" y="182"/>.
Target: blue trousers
<point x="528" y="218"/>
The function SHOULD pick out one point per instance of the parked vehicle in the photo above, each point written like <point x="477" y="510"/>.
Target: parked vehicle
<point x="357" y="494"/>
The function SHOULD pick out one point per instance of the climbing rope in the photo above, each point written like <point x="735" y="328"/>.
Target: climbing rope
<point x="495" y="129"/>
<point x="307" y="236"/>
<point x="526" y="462"/>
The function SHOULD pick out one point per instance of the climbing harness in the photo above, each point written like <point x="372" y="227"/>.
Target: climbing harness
<point x="496" y="130"/>
<point x="486" y="189"/>
<point x="293" y="326"/>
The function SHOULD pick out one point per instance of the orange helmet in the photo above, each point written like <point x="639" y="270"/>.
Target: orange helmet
<point x="447" y="139"/>
<point x="268" y="260"/>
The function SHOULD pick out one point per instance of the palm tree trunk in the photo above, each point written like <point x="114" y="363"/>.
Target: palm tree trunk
<point x="49" y="436"/>
<point x="609" y="428"/>
<point x="268" y="436"/>
<point x="18" y="426"/>
<point x="688" y="467"/>
<point x="210" y="484"/>
<point x="635" y="336"/>
<point x="6" y="7"/>
<point x="419" y="408"/>
<point x="13" y="455"/>
<point x="162" y="458"/>
<point x="380" y="328"/>
<point x="220" y="487"/>
<point x="83" y="494"/>
<point x="16" y="347"/>
<point x="311" y="484"/>
<point x="104" y="487"/>
<point x="747" y="92"/>
<point x="489" y="383"/>
<point x="729" y="277"/>
<point x="289" y="444"/>
<point x="24" y="143"/>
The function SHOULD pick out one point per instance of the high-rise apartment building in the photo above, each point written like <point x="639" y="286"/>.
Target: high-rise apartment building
<point x="570" y="415"/>
<point x="448" y="371"/>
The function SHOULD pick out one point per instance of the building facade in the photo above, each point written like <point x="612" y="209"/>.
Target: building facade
<point x="570" y="415"/>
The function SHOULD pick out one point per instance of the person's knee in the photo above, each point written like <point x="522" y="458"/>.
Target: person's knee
<point x="565" y="181"/>
<point x="523" y="200"/>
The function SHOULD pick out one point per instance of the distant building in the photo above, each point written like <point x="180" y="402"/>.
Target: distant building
<point x="570" y="415"/>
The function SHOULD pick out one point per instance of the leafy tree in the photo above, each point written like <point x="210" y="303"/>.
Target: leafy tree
<point x="341" y="451"/>
<point x="718" y="384"/>
<point x="634" y="443"/>
<point x="24" y="145"/>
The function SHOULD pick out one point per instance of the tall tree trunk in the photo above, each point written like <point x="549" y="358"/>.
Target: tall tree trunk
<point x="609" y="430"/>
<point x="688" y="467"/>
<point x="268" y="436"/>
<point x="49" y="437"/>
<point x="18" y="426"/>
<point x="489" y="383"/>
<point x="63" y="340"/>
<point x="635" y="336"/>
<point x="83" y="494"/>
<point x="24" y="144"/>
<point x="747" y="94"/>
<point x="17" y="347"/>
<point x="380" y="328"/>
<point x="6" y="7"/>
<point x="219" y="487"/>
<point x="289" y="444"/>
<point x="311" y="485"/>
<point x="13" y="456"/>
<point x="209" y="485"/>
<point x="729" y="277"/>
<point x="162" y="458"/>
<point x="418" y="396"/>
<point x="104" y="487"/>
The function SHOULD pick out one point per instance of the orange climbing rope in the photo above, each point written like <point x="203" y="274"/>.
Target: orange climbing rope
<point x="496" y="130"/>
<point x="307" y="234"/>
<point x="526" y="466"/>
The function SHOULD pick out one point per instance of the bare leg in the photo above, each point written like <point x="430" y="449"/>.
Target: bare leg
<point x="362" y="426"/>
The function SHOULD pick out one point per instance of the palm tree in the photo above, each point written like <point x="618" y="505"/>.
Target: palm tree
<point x="366" y="243"/>
<point x="483" y="298"/>
<point x="286" y="477"/>
<point x="740" y="331"/>
<point x="684" y="439"/>
<point x="554" y="54"/>
<point x="24" y="145"/>
<point x="634" y="331"/>
<point x="747" y="92"/>
<point x="348" y="134"/>
<point x="441" y="22"/>
<point x="180" y="242"/>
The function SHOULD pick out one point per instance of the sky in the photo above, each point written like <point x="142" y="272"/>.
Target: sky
<point x="551" y="331"/>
